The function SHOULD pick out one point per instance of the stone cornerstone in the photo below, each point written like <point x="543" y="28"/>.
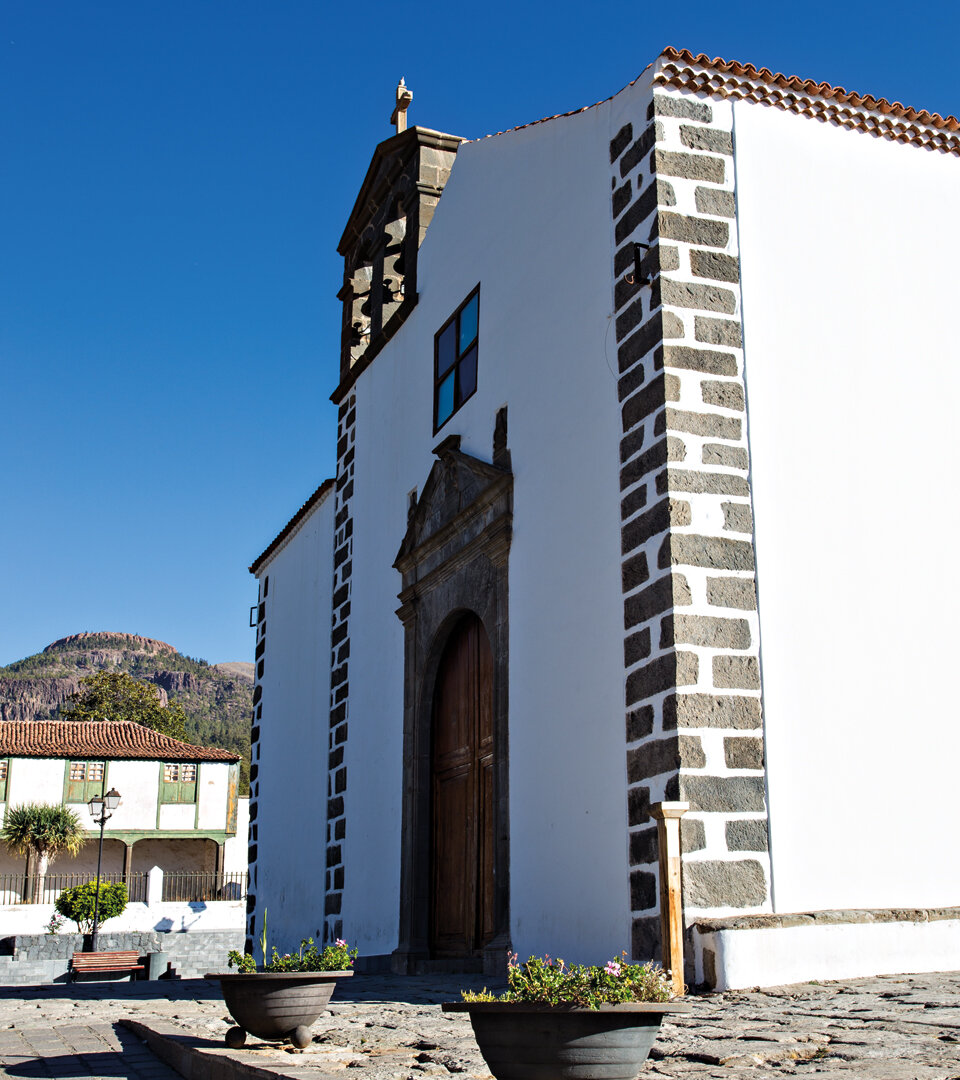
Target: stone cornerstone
<point x="691" y="633"/>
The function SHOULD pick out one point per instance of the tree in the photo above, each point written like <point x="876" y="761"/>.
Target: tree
<point x="78" y="903"/>
<point x="115" y="695"/>
<point x="41" y="832"/>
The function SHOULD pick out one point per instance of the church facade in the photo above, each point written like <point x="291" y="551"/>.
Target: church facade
<point x="644" y="492"/>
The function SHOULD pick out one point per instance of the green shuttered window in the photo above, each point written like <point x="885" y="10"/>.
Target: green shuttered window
<point x="84" y="779"/>
<point x="178" y="783"/>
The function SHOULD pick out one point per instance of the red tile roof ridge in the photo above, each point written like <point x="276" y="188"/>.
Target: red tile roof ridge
<point x="719" y="78"/>
<point x="809" y="86"/>
<point x="106" y="740"/>
<point x="763" y="80"/>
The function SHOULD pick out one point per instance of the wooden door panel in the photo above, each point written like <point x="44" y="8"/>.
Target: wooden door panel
<point x="485" y="924"/>
<point x="462" y="795"/>
<point x="452" y="901"/>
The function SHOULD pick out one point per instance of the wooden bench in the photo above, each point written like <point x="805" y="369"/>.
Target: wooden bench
<point x="95" y="962"/>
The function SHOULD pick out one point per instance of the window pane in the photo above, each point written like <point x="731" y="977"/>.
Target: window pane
<point x="468" y="324"/>
<point x="468" y="375"/>
<point x="3" y="770"/>
<point x="95" y="770"/>
<point x="447" y="349"/>
<point x="170" y="773"/>
<point x="188" y="773"/>
<point x="445" y="399"/>
<point x="77" y="770"/>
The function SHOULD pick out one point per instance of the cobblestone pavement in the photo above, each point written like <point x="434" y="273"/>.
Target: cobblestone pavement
<point x="896" y="1027"/>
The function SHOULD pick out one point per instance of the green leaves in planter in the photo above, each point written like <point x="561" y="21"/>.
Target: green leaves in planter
<point x="545" y="981"/>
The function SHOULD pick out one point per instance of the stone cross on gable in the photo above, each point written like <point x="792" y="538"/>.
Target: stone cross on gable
<point x="399" y="116"/>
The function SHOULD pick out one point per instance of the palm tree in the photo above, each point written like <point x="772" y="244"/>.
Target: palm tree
<point x="41" y="832"/>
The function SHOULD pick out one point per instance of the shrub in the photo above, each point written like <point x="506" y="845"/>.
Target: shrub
<point x="78" y="903"/>
<point x="552" y="982"/>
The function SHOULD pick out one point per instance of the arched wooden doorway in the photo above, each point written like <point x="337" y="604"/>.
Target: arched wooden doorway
<point x="462" y="811"/>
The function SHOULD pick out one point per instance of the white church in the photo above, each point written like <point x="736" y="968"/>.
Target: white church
<point x="641" y="409"/>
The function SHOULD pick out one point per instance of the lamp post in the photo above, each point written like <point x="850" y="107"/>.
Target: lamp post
<point x="100" y="804"/>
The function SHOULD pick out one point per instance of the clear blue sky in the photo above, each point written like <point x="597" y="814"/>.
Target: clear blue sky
<point x="174" y="180"/>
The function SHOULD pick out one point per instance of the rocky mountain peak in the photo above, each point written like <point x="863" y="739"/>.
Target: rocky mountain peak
<point x="88" y="639"/>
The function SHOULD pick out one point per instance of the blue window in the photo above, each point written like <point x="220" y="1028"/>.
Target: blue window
<point x="455" y="360"/>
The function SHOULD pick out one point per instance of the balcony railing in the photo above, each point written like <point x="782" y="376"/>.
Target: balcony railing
<point x="185" y="887"/>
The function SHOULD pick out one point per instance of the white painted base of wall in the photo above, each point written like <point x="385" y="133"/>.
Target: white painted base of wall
<point x="176" y="917"/>
<point x="779" y="955"/>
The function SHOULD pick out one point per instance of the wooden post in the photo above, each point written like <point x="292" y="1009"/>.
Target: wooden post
<point x="668" y="816"/>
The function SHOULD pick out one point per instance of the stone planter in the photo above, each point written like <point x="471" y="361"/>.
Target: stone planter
<point x="276" y="1005"/>
<point x="524" y="1041"/>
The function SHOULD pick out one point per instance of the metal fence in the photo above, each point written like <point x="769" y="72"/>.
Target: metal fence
<point x="191" y="886"/>
<point x="198" y="885"/>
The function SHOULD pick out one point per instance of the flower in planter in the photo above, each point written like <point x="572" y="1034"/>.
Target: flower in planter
<point x="336" y="957"/>
<point x="545" y="981"/>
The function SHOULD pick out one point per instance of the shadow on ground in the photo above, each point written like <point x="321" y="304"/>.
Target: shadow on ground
<point x="172" y="989"/>
<point x="132" y="1061"/>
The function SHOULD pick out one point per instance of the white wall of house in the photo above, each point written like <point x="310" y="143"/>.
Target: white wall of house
<point x="37" y="780"/>
<point x="848" y="249"/>
<point x="527" y="215"/>
<point x="292" y="766"/>
<point x="212" y="784"/>
<point x="235" y="848"/>
<point x="84" y="862"/>
<point x="138" y="783"/>
<point x="167" y="853"/>
<point x="41" y="780"/>
<point x="174" y="917"/>
<point x="190" y="855"/>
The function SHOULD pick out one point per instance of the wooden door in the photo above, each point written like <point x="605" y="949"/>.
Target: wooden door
<point x="461" y="871"/>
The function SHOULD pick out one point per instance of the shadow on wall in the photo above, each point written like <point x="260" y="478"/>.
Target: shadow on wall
<point x="166" y="925"/>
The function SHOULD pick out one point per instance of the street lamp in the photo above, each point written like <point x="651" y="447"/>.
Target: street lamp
<point x="100" y="804"/>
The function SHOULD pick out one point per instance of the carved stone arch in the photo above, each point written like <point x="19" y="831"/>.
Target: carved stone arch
<point x="454" y="560"/>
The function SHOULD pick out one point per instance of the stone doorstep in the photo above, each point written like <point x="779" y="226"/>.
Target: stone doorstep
<point x="178" y="1050"/>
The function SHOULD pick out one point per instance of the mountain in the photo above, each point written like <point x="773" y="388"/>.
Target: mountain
<point x="217" y="698"/>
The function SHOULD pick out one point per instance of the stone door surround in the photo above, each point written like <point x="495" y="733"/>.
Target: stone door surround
<point x="453" y="560"/>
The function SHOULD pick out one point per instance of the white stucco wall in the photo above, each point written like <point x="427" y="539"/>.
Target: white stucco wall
<point x="235" y="848"/>
<point x="41" y="780"/>
<point x="849" y="287"/>
<point x="526" y="214"/>
<point x="34" y="780"/>
<point x="175" y="855"/>
<point x="290" y="830"/>
<point x="173" y="917"/>
<point x="212" y="782"/>
<point x="138" y="783"/>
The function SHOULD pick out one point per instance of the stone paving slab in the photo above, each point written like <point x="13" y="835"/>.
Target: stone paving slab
<point x="896" y="1027"/>
<point x="78" y="1051"/>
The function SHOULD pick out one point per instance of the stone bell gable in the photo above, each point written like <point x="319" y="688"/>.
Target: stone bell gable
<point x="379" y="246"/>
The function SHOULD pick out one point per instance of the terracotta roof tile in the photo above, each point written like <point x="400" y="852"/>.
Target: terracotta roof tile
<point x="721" y="78"/>
<point x="107" y="740"/>
<point x="290" y="526"/>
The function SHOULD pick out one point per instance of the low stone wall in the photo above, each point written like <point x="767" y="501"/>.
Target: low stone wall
<point x="27" y="959"/>
<point x="161" y="916"/>
<point x="764" y="950"/>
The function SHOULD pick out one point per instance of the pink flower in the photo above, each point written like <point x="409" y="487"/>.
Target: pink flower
<point x="613" y="968"/>
<point x="341" y="944"/>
